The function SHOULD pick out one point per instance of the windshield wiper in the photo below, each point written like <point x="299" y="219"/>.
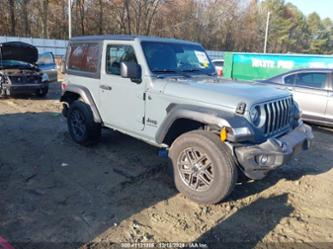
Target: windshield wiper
<point x="197" y="70"/>
<point x="191" y="70"/>
<point x="164" y="71"/>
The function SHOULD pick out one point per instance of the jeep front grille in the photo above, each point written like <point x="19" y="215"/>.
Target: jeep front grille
<point x="277" y="116"/>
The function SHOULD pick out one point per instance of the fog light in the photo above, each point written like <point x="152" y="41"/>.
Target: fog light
<point x="262" y="160"/>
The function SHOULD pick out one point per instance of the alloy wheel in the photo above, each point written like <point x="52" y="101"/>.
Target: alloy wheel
<point x="195" y="169"/>
<point x="78" y="124"/>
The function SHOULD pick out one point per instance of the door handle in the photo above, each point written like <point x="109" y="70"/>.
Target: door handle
<point x="104" y="87"/>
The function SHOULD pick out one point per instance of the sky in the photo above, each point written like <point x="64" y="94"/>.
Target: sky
<point x="323" y="7"/>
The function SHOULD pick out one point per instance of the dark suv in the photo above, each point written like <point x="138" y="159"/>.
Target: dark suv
<point x="18" y="71"/>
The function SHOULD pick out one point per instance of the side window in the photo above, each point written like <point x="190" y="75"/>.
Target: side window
<point x="46" y="58"/>
<point x="115" y="54"/>
<point x="218" y="63"/>
<point x="315" y="80"/>
<point x="83" y="57"/>
<point x="289" y="80"/>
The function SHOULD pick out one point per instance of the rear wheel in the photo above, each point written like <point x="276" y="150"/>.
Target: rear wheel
<point x="203" y="168"/>
<point x="81" y="125"/>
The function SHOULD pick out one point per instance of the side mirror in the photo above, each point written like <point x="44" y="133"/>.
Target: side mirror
<point x="131" y="70"/>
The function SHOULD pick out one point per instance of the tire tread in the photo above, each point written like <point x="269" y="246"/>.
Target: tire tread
<point x="230" y="167"/>
<point x="93" y="128"/>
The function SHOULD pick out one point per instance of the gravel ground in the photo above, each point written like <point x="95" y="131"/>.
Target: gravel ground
<point x="57" y="194"/>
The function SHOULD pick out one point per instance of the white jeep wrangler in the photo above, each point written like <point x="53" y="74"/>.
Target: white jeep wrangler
<point x="166" y="92"/>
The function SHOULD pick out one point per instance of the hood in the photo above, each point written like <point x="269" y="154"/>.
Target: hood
<point x="227" y="94"/>
<point x="19" y="51"/>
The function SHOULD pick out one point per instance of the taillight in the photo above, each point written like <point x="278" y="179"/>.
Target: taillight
<point x="220" y="72"/>
<point x="64" y="85"/>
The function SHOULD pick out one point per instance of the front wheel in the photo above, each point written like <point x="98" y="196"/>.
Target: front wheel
<point x="81" y="125"/>
<point x="42" y="92"/>
<point x="203" y="168"/>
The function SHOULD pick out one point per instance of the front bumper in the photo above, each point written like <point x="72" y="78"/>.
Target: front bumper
<point x="257" y="160"/>
<point x="25" y="88"/>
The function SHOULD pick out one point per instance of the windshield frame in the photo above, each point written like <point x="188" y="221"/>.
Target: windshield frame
<point x="210" y="70"/>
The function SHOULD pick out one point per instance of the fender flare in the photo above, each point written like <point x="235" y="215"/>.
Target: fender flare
<point x="207" y="116"/>
<point x="86" y="96"/>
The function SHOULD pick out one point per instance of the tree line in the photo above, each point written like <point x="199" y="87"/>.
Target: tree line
<point x="228" y="25"/>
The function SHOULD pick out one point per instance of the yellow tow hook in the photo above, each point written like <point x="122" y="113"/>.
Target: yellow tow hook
<point x="223" y="134"/>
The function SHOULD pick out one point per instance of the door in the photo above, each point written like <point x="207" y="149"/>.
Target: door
<point x="329" y="109"/>
<point x="47" y="64"/>
<point x="310" y="92"/>
<point x="122" y="103"/>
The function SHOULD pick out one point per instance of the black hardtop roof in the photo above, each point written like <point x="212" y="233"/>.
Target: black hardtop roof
<point x="128" y="38"/>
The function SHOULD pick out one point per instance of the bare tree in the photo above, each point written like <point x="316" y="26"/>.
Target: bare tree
<point x="81" y="10"/>
<point x="100" y="24"/>
<point x="11" y="4"/>
<point x="26" y="22"/>
<point x="128" y="15"/>
<point x="151" y="12"/>
<point x="236" y="25"/>
<point x="43" y="12"/>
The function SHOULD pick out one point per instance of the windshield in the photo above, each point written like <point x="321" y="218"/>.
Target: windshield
<point x="14" y="64"/>
<point x="167" y="57"/>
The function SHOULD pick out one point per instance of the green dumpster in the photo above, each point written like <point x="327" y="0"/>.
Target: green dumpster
<point x="253" y="66"/>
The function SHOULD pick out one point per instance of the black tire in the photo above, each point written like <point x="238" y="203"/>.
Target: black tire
<point x="81" y="125"/>
<point x="42" y="92"/>
<point x="209" y="181"/>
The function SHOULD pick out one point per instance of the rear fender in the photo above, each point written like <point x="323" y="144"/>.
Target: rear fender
<point x="74" y="92"/>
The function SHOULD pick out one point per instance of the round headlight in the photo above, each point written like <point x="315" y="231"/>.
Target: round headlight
<point x="258" y="116"/>
<point x="255" y="115"/>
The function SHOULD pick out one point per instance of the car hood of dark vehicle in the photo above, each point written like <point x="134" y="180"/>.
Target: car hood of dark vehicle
<point x="19" y="51"/>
